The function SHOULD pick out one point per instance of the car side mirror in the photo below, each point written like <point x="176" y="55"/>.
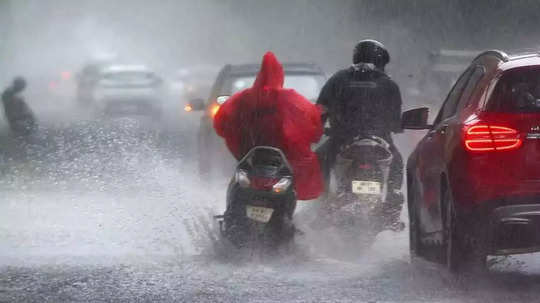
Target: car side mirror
<point x="195" y="105"/>
<point x="415" y="119"/>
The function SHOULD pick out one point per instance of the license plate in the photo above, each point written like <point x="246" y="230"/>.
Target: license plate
<point x="366" y="187"/>
<point x="259" y="214"/>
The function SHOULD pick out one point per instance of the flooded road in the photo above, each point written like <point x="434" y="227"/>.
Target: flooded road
<point x="127" y="219"/>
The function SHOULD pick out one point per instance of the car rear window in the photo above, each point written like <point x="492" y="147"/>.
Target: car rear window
<point x="129" y="78"/>
<point x="308" y="85"/>
<point x="518" y="91"/>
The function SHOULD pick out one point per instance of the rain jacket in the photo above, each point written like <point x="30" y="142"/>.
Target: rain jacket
<point x="20" y="117"/>
<point x="360" y="99"/>
<point x="268" y="114"/>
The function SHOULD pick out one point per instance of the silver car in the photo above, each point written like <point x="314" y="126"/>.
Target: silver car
<point x="128" y="89"/>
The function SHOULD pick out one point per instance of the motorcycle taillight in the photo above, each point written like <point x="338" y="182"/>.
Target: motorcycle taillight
<point x="365" y="166"/>
<point x="263" y="183"/>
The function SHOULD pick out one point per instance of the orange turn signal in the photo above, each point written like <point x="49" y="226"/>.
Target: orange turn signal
<point x="215" y="109"/>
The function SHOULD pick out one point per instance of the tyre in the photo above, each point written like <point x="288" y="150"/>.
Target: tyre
<point x="237" y="231"/>
<point x="392" y="212"/>
<point x="459" y="255"/>
<point x="277" y="233"/>
<point x="415" y="243"/>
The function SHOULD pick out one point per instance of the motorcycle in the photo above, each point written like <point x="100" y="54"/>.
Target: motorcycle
<point x="359" y="203"/>
<point x="260" y="201"/>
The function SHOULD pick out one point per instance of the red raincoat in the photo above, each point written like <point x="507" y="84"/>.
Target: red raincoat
<point x="268" y="114"/>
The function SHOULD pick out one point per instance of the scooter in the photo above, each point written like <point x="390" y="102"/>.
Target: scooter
<point x="260" y="201"/>
<point x="359" y="202"/>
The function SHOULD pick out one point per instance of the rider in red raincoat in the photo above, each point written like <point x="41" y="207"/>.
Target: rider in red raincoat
<point x="268" y="114"/>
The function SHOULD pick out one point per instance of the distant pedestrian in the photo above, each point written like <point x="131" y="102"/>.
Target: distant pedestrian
<point x="20" y="117"/>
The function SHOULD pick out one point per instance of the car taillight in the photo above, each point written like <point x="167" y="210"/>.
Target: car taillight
<point x="484" y="137"/>
<point x="65" y="75"/>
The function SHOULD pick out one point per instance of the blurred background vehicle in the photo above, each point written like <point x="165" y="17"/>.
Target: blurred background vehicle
<point x="191" y="82"/>
<point x="446" y="65"/>
<point x="306" y="78"/>
<point x="51" y="90"/>
<point x="125" y="90"/>
<point x="87" y="80"/>
<point x="185" y="84"/>
<point x="440" y="72"/>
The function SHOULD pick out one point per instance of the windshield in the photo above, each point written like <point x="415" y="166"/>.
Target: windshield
<point x="307" y="85"/>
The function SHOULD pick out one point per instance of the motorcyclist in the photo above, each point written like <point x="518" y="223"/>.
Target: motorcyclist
<point x="363" y="99"/>
<point x="20" y="117"/>
<point x="268" y="114"/>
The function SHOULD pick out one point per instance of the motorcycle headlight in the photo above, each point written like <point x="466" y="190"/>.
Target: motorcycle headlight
<point x="242" y="178"/>
<point x="282" y="185"/>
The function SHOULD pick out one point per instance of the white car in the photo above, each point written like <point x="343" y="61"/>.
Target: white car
<point x="128" y="89"/>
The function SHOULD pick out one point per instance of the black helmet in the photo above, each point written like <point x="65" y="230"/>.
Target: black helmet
<point x="371" y="51"/>
<point x="19" y="84"/>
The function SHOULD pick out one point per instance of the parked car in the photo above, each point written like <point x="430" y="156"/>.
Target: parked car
<point x="124" y="89"/>
<point x="474" y="179"/>
<point x="306" y="78"/>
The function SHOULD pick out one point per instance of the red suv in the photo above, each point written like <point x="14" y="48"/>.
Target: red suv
<point x="474" y="179"/>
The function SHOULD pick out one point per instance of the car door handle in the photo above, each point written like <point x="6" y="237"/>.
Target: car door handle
<point x="442" y="129"/>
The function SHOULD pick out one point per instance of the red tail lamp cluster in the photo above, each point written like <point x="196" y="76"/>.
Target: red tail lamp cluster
<point x="263" y="183"/>
<point x="483" y="137"/>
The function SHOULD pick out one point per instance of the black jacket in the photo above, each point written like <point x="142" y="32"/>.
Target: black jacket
<point x="20" y="117"/>
<point x="361" y="100"/>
